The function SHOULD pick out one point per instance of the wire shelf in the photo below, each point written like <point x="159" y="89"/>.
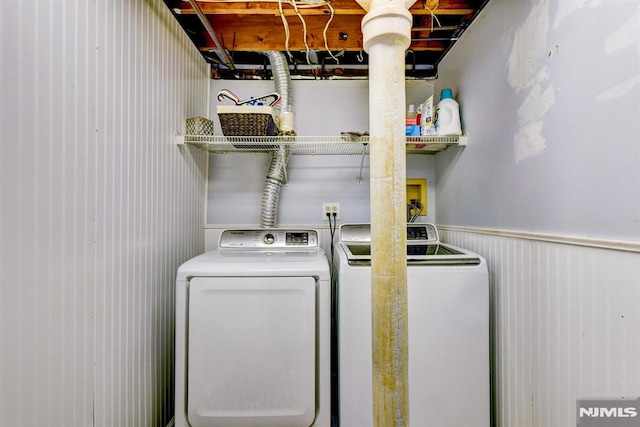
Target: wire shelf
<point x="316" y="145"/>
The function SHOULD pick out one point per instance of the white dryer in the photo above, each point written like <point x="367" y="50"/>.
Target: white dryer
<point x="448" y="309"/>
<point x="253" y="324"/>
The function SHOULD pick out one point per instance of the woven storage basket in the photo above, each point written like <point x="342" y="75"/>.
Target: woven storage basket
<point x="247" y="120"/>
<point x="199" y="126"/>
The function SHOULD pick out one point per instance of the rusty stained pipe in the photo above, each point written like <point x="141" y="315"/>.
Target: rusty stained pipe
<point x="386" y="30"/>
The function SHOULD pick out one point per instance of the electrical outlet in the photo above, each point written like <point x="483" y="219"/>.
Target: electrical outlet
<point x="330" y="208"/>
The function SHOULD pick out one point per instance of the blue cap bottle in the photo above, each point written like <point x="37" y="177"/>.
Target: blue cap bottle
<point x="446" y="93"/>
<point x="448" y="114"/>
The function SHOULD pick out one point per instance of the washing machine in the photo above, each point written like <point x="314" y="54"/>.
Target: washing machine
<point x="448" y="328"/>
<point x="253" y="322"/>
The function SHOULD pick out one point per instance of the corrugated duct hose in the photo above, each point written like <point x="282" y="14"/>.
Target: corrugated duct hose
<point x="276" y="175"/>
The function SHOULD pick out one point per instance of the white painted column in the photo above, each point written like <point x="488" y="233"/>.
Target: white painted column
<point x="386" y="29"/>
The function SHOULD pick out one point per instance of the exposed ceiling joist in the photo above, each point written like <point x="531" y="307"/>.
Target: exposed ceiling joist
<point x="340" y="7"/>
<point x="238" y="30"/>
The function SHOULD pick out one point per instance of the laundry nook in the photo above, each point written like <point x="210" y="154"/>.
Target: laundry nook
<point x="319" y="213"/>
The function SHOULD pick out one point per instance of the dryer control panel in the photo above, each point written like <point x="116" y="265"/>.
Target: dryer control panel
<point x="268" y="238"/>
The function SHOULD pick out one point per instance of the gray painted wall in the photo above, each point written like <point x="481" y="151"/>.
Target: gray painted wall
<point x="322" y="108"/>
<point x="549" y="93"/>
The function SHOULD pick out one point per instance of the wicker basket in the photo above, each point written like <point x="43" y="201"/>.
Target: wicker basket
<point x="199" y="126"/>
<point x="247" y="120"/>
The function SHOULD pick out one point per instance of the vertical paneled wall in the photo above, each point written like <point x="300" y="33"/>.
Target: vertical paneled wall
<point x="98" y="208"/>
<point x="566" y="325"/>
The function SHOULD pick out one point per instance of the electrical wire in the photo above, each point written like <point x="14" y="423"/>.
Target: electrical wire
<point x="335" y="390"/>
<point x="304" y="29"/>
<point x="285" y="24"/>
<point x="296" y="7"/>
<point x="324" y="33"/>
<point x="332" y="232"/>
<point x="432" y="13"/>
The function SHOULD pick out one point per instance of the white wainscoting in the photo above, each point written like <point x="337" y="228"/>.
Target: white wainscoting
<point x="566" y="322"/>
<point x="98" y="208"/>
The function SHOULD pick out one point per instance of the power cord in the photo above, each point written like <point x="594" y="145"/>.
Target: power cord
<point x="332" y="231"/>
<point x="334" y="326"/>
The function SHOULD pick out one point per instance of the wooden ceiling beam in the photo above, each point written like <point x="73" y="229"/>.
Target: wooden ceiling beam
<point x="427" y="46"/>
<point x="417" y="46"/>
<point x="340" y="7"/>
<point x="260" y="33"/>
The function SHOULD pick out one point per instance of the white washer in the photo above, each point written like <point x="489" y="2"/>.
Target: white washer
<point x="448" y="305"/>
<point x="253" y="322"/>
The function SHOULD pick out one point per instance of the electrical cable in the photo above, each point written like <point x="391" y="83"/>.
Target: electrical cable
<point x="335" y="408"/>
<point x="432" y="13"/>
<point x="304" y="29"/>
<point x="302" y="5"/>
<point x="285" y="24"/>
<point x="332" y="232"/>
<point x="324" y="33"/>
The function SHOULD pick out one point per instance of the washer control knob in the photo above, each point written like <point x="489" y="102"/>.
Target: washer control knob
<point x="269" y="238"/>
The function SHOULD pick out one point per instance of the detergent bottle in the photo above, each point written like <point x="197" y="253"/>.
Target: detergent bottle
<point x="447" y="115"/>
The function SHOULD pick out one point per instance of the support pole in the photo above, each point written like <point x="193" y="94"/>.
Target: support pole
<point x="386" y="30"/>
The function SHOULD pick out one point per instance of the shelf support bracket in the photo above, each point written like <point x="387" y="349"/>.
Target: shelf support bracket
<point x="364" y="153"/>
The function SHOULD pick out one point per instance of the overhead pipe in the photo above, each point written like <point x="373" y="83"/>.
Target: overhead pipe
<point x="277" y="171"/>
<point x="220" y="51"/>
<point x="386" y="30"/>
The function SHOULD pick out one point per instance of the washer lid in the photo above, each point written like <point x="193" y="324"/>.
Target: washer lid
<point x="423" y="246"/>
<point x="417" y="254"/>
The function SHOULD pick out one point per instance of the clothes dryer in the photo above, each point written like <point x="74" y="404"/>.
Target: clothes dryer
<point x="253" y="332"/>
<point x="448" y="310"/>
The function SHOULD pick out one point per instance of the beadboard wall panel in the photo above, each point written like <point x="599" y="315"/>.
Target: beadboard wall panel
<point x="566" y="325"/>
<point x="98" y="208"/>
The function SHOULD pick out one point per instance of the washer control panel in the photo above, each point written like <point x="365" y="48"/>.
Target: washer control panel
<point x="416" y="232"/>
<point x="422" y="232"/>
<point x="268" y="238"/>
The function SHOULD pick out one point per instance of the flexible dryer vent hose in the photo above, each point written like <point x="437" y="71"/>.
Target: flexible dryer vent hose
<point x="276" y="176"/>
<point x="282" y="80"/>
<point x="272" y="186"/>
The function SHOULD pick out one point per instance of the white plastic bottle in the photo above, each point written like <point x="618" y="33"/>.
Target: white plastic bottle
<point x="448" y="114"/>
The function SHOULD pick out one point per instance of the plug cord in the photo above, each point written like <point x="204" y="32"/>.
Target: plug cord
<point x="335" y="408"/>
<point x="332" y="230"/>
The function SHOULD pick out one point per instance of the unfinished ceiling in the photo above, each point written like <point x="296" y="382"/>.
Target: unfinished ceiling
<point x="321" y="38"/>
